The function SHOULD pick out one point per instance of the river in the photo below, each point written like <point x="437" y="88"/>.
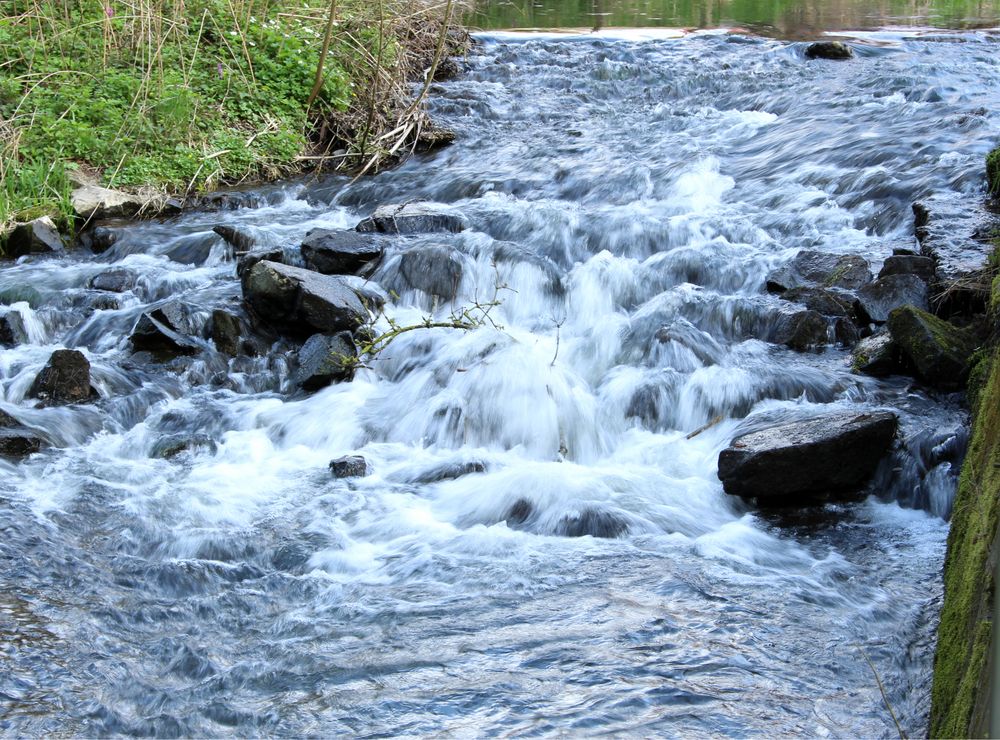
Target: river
<point x="616" y="185"/>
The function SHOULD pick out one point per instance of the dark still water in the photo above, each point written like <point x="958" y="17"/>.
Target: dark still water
<point x="782" y="18"/>
<point x="179" y="560"/>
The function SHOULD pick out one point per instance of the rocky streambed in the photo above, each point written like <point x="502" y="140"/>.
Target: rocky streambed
<point x="645" y="391"/>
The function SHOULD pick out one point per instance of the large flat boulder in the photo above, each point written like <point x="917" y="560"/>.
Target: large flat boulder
<point x="340" y="252"/>
<point x="804" y="460"/>
<point x="299" y="302"/>
<point x="412" y="218"/>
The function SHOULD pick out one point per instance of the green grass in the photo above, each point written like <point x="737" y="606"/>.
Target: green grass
<point x="176" y="94"/>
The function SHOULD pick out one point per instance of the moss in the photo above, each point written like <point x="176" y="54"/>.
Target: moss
<point x="979" y="371"/>
<point x="965" y="631"/>
<point x="993" y="172"/>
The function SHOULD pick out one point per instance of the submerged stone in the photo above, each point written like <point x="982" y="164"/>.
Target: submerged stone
<point x="829" y="50"/>
<point x="434" y="270"/>
<point x="117" y="280"/>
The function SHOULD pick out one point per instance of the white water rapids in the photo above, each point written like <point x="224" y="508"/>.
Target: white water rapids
<point x="626" y="198"/>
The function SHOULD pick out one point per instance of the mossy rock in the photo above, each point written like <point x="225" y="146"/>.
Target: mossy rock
<point x="960" y="694"/>
<point x="939" y="352"/>
<point x="993" y="172"/>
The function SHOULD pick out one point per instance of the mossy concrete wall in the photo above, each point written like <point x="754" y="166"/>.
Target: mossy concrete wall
<point x="963" y="665"/>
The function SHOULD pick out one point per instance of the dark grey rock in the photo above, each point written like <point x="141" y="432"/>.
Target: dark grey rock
<point x="876" y="300"/>
<point x="98" y="239"/>
<point x="846" y="332"/>
<point x="232" y="334"/>
<point x="64" y="379"/>
<point x="434" y="270"/>
<point x="802" y="460"/>
<point x="192" y="250"/>
<point x="241" y="240"/>
<point x="35" y="237"/>
<point x="168" y="330"/>
<point x="19" y="442"/>
<point x="173" y="445"/>
<point x="801" y="330"/>
<point x="245" y="263"/>
<point x="412" y="218"/>
<point x="325" y="359"/>
<point x="821" y="300"/>
<point x="876" y="355"/>
<point x="450" y="471"/>
<point x="906" y="264"/>
<point x="351" y="466"/>
<point x="300" y="302"/>
<point x="340" y="252"/>
<point x="829" y="50"/>
<point x="7" y="421"/>
<point x="117" y="280"/>
<point x="593" y="523"/>
<point x="939" y="352"/>
<point x="12" y="329"/>
<point x="820" y="269"/>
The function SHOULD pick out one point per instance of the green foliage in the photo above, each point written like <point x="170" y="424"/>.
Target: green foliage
<point x="170" y="93"/>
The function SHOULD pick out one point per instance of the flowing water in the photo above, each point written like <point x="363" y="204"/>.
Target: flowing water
<point x="626" y="195"/>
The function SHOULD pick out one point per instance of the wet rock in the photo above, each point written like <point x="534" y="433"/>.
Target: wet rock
<point x="12" y="329"/>
<point x="450" y="471"/>
<point x="820" y="269"/>
<point x="434" y="270"/>
<point x="98" y="239"/>
<point x="829" y="50"/>
<point x="7" y="421"/>
<point x="876" y="355"/>
<point x="19" y="442"/>
<point x="412" y="218"/>
<point x="245" y="263"/>
<point x="434" y="137"/>
<point x="908" y="264"/>
<point x="593" y="523"/>
<point x="938" y="351"/>
<point x="241" y="240"/>
<point x="846" y="332"/>
<point x="192" y="250"/>
<point x="64" y="379"/>
<point x="800" y="330"/>
<point x="821" y="300"/>
<point x="325" y="359"/>
<point x="351" y="466"/>
<point x="511" y="253"/>
<point x="519" y="512"/>
<point x="232" y="334"/>
<point x="167" y="330"/>
<point x="955" y="231"/>
<point x="229" y="200"/>
<point x="340" y="252"/>
<point x="301" y="302"/>
<point x="117" y="280"/>
<point x="19" y="293"/>
<point x="35" y="237"/>
<point x="173" y="445"/>
<point x="801" y="460"/>
<point x="877" y="299"/>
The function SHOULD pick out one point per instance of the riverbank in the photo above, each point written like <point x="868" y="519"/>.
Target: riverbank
<point x="964" y="666"/>
<point x="174" y="97"/>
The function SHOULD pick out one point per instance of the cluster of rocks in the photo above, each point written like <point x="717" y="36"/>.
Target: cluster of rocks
<point x="918" y="317"/>
<point x="322" y="311"/>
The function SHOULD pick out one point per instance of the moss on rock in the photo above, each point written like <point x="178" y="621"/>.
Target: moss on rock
<point x="938" y="351"/>
<point x="993" y="172"/>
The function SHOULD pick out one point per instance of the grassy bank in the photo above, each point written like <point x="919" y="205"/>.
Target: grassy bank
<point x="963" y="665"/>
<point x="181" y="95"/>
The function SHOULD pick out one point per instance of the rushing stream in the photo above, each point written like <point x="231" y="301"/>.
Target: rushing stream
<point x="626" y="196"/>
